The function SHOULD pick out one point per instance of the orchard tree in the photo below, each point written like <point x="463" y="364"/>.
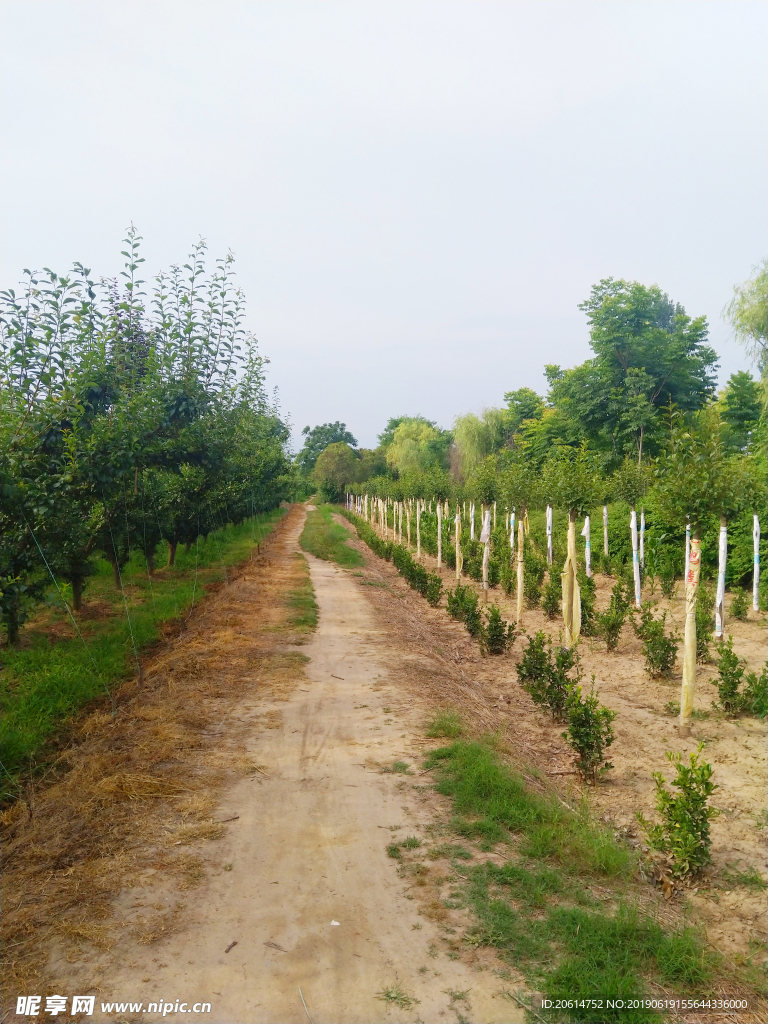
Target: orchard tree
<point x="518" y="487"/>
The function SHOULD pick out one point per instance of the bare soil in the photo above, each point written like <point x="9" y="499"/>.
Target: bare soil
<point x="222" y="835"/>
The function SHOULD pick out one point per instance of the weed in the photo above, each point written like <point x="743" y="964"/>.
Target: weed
<point x="449" y="850"/>
<point x="445" y="723"/>
<point x="456" y="997"/>
<point x="672" y="707"/>
<point x="589" y="732"/>
<point x="395" y="994"/>
<point x="393" y="850"/>
<point x="683" y="833"/>
<point x="398" y="768"/>
<point x="610" y="622"/>
<point x="659" y="648"/>
<point x="432" y="951"/>
<point x="411" y="843"/>
<point x="740" y="605"/>
<point x="750" y="879"/>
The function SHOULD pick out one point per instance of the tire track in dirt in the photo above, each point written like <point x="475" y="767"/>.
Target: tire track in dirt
<point x="308" y="848"/>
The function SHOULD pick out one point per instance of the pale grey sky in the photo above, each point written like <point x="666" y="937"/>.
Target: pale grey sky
<point x="418" y="194"/>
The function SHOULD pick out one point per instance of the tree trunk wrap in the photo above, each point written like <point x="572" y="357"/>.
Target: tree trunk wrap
<point x="520" y="569"/>
<point x="408" y="522"/>
<point x="459" y="559"/>
<point x="587" y="535"/>
<point x="570" y="585"/>
<point x="688" y="689"/>
<point x="722" y="559"/>
<point x="642" y="536"/>
<point x="511" y="534"/>
<point x="687" y="549"/>
<point x="485" y="538"/>
<point x="756" y="563"/>
<point x="494" y="515"/>
<point x="439" y="534"/>
<point x="418" y="528"/>
<point x="472" y="520"/>
<point x="635" y="558"/>
<point x="549" y="535"/>
<point x="605" y="529"/>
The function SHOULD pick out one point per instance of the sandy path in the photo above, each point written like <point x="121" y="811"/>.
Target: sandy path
<point x="308" y="849"/>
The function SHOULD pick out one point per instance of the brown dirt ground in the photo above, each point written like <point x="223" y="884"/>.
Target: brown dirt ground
<point x="733" y="916"/>
<point x="115" y="866"/>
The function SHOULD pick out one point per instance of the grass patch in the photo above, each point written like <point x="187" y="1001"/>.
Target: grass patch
<point x="537" y="909"/>
<point x="398" y="768"/>
<point x="52" y="674"/>
<point x="395" y="994"/>
<point x="750" y="879"/>
<point x="326" y="539"/>
<point x="302" y="602"/>
<point x="446" y="724"/>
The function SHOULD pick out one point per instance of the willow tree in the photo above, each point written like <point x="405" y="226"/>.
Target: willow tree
<point x="697" y="482"/>
<point x="571" y="479"/>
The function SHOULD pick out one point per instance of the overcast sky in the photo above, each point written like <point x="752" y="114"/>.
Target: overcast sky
<point x="418" y="194"/>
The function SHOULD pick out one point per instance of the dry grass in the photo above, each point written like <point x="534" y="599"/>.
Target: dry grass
<point x="130" y="791"/>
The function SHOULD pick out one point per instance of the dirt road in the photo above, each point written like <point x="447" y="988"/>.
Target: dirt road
<point x="301" y="893"/>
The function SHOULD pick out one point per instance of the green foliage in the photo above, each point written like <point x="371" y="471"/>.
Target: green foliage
<point x="587" y="590"/>
<point x="610" y="622"/>
<point x="318" y="439"/>
<point x="462" y="605"/>
<point x="434" y="589"/>
<point x="659" y="647"/>
<point x="705" y="620"/>
<point x="552" y="599"/>
<point x="683" y="833"/>
<point x="732" y="675"/>
<point x="543" y="672"/>
<point x="748" y="314"/>
<point x="740" y="604"/>
<point x="535" y="568"/>
<point x="589" y="732"/>
<point x="445" y="723"/>
<point x="498" y="635"/>
<point x="571" y="479"/>
<point x="335" y="467"/>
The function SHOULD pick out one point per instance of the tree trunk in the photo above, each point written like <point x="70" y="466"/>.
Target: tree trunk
<point x="549" y="535"/>
<point x="605" y="529"/>
<point x="439" y="534"/>
<point x="635" y="558"/>
<point x="418" y="528"/>
<point x="12" y="623"/>
<point x="151" y="563"/>
<point x="115" y="571"/>
<point x="722" y="558"/>
<point x="688" y="689"/>
<point x="457" y="538"/>
<point x="77" y="594"/>
<point x="571" y="596"/>
<point x="755" y="563"/>
<point x="520" y="569"/>
<point x="172" y="545"/>
<point x="587" y="535"/>
<point x="687" y="550"/>
<point x="187" y="547"/>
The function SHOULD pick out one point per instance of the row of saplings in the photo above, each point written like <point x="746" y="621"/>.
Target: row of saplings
<point x="679" y="845"/>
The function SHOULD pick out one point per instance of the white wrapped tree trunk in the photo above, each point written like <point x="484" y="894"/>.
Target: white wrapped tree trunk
<point x="688" y="690"/>
<point x="512" y="533"/>
<point x="457" y="541"/>
<point x="471" y="520"/>
<point x="418" y="528"/>
<point x="485" y="540"/>
<point x="642" y="536"/>
<point x="549" y="535"/>
<point x="755" y="563"/>
<point x="585" y="533"/>
<point x="494" y="515"/>
<point x="439" y="534"/>
<point x="722" y="558"/>
<point x="635" y="558"/>
<point x="408" y="521"/>
<point x="687" y="550"/>
<point x="605" y="529"/>
<point x="520" y="569"/>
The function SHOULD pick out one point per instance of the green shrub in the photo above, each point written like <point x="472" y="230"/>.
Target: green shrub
<point x="587" y="589"/>
<point x="705" y="620"/>
<point x="462" y="605"/>
<point x="610" y="621"/>
<point x="498" y="635"/>
<point x="740" y="604"/>
<point x="589" y="732"/>
<point x="434" y="589"/>
<point x="753" y="698"/>
<point x="667" y="578"/>
<point x="535" y="568"/>
<point x="508" y="577"/>
<point x="552" y="598"/>
<point x="659" y="648"/>
<point x="683" y="833"/>
<point x="543" y="674"/>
